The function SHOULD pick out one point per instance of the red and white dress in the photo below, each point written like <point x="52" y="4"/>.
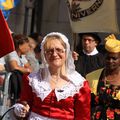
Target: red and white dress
<point x="71" y="102"/>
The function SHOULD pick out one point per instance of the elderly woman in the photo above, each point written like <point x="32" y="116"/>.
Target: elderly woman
<point x="106" y="91"/>
<point x="56" y="91"/>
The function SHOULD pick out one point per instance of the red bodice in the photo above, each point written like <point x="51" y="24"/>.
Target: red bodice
<point x="75" y="107"/>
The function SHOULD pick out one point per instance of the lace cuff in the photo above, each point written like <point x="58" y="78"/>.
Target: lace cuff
<point x="18" y="109"/>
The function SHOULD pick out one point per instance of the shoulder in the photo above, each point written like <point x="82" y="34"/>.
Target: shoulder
<point x="29" y="78"/>
<point x="12" y="56"/>
<point x="14" y="53"/>
<point x="76" y="78"/>
<point x="35" y="75"/>
<point x="100" y="54"/>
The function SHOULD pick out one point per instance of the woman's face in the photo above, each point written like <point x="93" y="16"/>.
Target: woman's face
<point x="32" y="43"/>
<point x="24" y="48"/>
<point x="55" y="53"/>
<point x="112" y="61"/>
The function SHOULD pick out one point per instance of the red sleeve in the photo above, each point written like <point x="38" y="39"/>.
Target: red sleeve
<point x="82" y="103"/>
<point x="26" y="92"/>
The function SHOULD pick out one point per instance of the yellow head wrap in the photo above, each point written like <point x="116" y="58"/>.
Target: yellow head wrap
<point x="112" y="44"/>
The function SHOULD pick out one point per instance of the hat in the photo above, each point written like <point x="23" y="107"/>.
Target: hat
<point x="94" y="35"/>
<point x="112" y="44"/>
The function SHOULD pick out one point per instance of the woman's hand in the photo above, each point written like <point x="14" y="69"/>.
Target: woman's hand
<point x="25" y="110"/>
<point x="21" y="110"/>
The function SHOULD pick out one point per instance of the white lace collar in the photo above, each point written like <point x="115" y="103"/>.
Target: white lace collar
<point x="42" y="88"/>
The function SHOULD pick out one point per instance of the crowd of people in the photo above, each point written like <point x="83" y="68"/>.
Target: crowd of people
<point x="56" y="91"/>
<point x="49" y="82"/>
<point x="21" y="61"/>
<point x="105" y="84"/>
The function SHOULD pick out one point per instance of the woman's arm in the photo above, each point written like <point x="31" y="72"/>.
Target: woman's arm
<point x="82" y="103"/>
<point x="23" y="106"/>
<point x="14" y="66"/>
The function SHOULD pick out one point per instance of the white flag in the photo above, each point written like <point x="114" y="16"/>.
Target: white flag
<point x="93" y="16"/>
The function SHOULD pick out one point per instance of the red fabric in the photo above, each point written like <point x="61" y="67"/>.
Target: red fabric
<point x="71" y="108"/>
<point x="1" y="81"/>
<point x="82" y="103"/>
<point x="6" y="42"/>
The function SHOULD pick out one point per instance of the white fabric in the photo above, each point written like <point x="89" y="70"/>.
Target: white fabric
<point x="94" y="52"/>
<point x="18" y="109"/>
<point x="33" y="61"/>
<point x="70" y="67"/>
<point x="14" y="56"/>
<point x="34" y="116"/>
<point x="2" y="61"/>
<point x="42" y="87"/>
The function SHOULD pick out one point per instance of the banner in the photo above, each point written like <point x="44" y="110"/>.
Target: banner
<point x="93" y="16"/>
<point x="6" y="42"/>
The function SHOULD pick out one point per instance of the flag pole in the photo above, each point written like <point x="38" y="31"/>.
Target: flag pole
<point x="74" y="42"/>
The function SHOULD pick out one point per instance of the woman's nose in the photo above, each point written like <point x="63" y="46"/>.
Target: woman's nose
<point x="54" y="52"/>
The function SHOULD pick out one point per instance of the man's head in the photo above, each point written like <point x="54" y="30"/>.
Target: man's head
<point x="89" y="41"/>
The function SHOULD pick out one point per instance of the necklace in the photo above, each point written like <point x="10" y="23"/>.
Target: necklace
<point x="109" y="79"/>
<point x="111" y="82"/>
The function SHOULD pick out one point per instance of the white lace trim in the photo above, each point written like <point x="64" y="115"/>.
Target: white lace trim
<point x="42" y="88"/>
<point x="34" y="116"/>
<point x="18" y="108"/>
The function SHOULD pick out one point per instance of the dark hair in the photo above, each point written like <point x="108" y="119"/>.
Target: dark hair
<point x="37" y="49"/>
<point x="94" y="35"/>
<point x="19" y="39"/>
<point x="35" y="36"/>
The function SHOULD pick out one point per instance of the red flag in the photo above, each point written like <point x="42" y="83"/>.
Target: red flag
<point x="6" y="41"/>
